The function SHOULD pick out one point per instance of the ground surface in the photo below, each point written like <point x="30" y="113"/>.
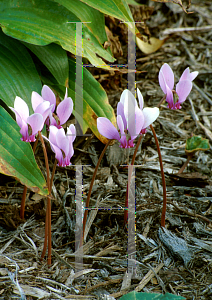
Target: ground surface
<point x="178" y="260"/>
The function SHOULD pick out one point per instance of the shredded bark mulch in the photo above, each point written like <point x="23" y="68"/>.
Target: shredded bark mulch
<point x="176" y="259"/>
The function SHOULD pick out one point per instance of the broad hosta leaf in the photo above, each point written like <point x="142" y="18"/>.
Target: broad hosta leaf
<point x="18" y="76"/>
<point x="54" y="58"/>
<point x="43" y="22"/>
<point x="150" y="296"/>
<point x="17" y="158"/>
<point x="93" y="18"/>
<point x="196" y="143"/>
<point x="116" y="8"/>
<point x="95" y="101"/>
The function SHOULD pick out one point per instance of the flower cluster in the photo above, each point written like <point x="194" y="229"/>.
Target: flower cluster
<point x="183" y="87"/>
<point x="44" y="107"/>
<point x="132" y="120"/>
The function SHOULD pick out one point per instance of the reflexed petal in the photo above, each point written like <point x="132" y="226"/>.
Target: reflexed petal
<point x="48" y="95"/>
<point x="36" y="100"/>
<point x="64" y="110"/>
<point x="185" y="75"/>
<point x="150" y="115"/>
<point x="140" y="99"/>
<point x="188" y="76"/>
<point x="52" y="134"/>
<point x="169" y="97"/>
<point x="62" y="141"/>
<point x="71" y="132"/>
<point x="107" y="129"/>
<point x="166" y="77"/>
<point x="40" y="109"/>
<point x="24" y="131"/>
<point x="36" y="123"/>
<point x="18" y="117"/>
<point x="128" y="96"/>
<point x="183" y="89"/>
<point x="22" y="108"/>
<point x="193" y="75"/>
<point x="120" y="124"/>
<point x="120" y="111"/>
<point x="136" y="124"/>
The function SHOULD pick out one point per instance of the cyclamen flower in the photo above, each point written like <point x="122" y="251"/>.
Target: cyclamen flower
<point x="30" y="125"/>
<point x="183" y="87"/>
<point x="131" y="120"/>
<point x="64" y="109"/>
<point x="62" y="144"/>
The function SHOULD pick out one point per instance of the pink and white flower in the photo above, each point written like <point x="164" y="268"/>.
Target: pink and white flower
<point x="183" y="87"/>
<point x="131" y="120"/>
<point x="30" y="125"/>
<point x="62" y="144"/>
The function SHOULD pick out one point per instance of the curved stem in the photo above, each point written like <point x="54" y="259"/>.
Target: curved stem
<point x="161" y="101"/>
<point x="189" y="157"/>
<point x="90" y="188"/>
<point x="23" y="200"/>
<point x="129" y="178"/>
<point x="48" y="210"/>
<point x="163" y="178"/>
<point x="47" y="215"/>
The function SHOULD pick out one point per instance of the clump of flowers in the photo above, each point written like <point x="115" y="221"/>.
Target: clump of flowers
<point x="30" y="125"/>
<point x="131" y="120"/>
<point x="183" y="87"/>
<point x="63" y="110"/>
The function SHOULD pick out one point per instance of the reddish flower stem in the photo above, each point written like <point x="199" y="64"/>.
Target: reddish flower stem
<point x="48" y="210"/>
<point x="163" y="178"/>
<point x="23" y="200"/>
<point x="46" y="220"/>
<point x="90" y="190"/>
<point x="129" y="179"/>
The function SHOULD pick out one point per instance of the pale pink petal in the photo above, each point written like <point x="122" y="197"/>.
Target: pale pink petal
<point x="40" y="109"/>
<point x="48" y="95"/>
<point x="36" y="100"/>
<point x="71" y="132"/>
<point x="24" y="131"/>
<point x="64" y="110"/>
<point x="185" y="75"/>
<point x="136" y="123"/>
<point x="120" y="111"/>
<point x="36" y="123"/>
<point x="62" y="141"/>
<point x="52" y="134"/>
<point x="150" y="115"/>
<point x="183" y="88"/>
<point x="193" y="75"/>
<point x="169" y="97"/>
<point x="107" y="129"/>
<point x="22" y="108"/>
<point x="166" y="77"/>
<point x="18" y="117"/>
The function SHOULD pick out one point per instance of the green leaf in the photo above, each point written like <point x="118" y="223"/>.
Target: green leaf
<point x="17" y="158"/>
<point x="43" y="22"/>
<point x="196" y="143"/>
<point x="150" y="296"/>
<point x="116" y="8"/>
<point x="18" y="76"/>
<point x="94" y="19"/>
<point x="95" y="101"/>
<point x="54" y="58"/>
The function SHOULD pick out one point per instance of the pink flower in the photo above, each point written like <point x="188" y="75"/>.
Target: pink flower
<point x="30" y="125"/>
<point x="183" y="87"/>
<point x="62" y="144"/>
<point x="131" y="120"/>
<point x="64" y="109"/>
